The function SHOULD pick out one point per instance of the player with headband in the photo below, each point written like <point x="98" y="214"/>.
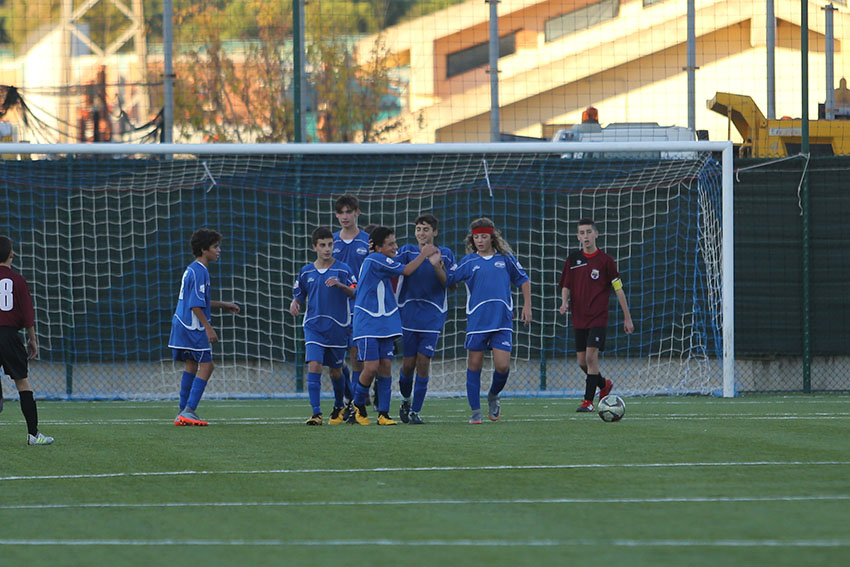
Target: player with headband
<point x="488" y="272"/>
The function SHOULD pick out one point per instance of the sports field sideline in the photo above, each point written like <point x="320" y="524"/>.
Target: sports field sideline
<point x="756" y="480"/>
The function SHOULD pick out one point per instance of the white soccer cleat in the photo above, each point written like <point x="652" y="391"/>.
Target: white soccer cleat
<point x="39" y="439"/>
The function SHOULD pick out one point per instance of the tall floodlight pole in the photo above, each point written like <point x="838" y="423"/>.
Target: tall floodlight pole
<point x="495" y="128"/>
<point x="692" y="67"/>
<point x="829" y="31"/>
<point x="804" y="197"/>
<point x="770" y="46"/>
<point x="168" y="74"/>
<point x="67" y="39"/>
<point x="298" y="71"/>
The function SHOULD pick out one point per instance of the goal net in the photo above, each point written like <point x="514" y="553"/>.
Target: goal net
<point x="103" y="240"/>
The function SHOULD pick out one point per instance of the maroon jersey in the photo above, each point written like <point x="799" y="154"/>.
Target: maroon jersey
<point x="589" y="280"/>
<point x="15" y="300"/>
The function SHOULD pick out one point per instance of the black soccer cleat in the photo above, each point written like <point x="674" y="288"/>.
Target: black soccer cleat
<point x="404" y="411"/>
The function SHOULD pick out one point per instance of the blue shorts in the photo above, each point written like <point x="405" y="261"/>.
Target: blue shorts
<point x="351" y="337"/>
<point x="375" y="349"/>
<point x="501" y="340"/>
<point x="418" y="342"/>
<point x="182" y="355"/>
<point x="332" y="357"/>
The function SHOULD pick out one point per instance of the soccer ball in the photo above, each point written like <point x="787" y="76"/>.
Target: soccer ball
<point x="611" y="408"/>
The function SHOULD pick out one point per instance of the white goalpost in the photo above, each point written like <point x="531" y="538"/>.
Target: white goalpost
<point x="102" y="232"/>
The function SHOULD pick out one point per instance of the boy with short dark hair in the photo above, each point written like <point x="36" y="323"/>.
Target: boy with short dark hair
<point x="351" y="246"/>
<point x="16" y="313"/>
<point x="586" y="282"/>
<point x="192" y="333"/>
<point x="325" y="286"/>
<point x="423" y="305"/>
<point x="376" y="319"/>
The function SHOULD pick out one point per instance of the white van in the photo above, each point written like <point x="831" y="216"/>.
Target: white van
<point x="627" y="132"/>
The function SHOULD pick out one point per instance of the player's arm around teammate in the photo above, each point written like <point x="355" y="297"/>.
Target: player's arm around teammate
<point x="423" y="305"/>
<point x="377" y="321"/>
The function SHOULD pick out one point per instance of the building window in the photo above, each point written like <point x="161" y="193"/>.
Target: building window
<point x="583" y="18"/>
<point x="477" y="55"/>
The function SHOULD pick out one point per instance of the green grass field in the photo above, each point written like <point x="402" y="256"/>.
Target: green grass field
<point x="757" y="480"/>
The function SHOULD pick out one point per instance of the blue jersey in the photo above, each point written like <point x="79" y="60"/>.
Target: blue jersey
<point x="328" y="316"/>
<point x="421" y="297"/>
<point x="187" y="332"/>
<point x="489" y="302"/>
<point x="375" y="309"/>
<point x="353" y="252"/>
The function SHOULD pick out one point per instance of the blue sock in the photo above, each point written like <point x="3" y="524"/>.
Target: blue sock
<point x="361" y="393"/>
<point x="385" y="392"/>
<point x="405" y="385"/>
<point x="185" y="388"/>
<point x="339" y="391"/>
<point x="419" y="390"/>
<point x="314" y="390"/>
<point x="355" y="379"/>
<point x="346" y="379"/>
<point x="473" y="388"/>
<point x="195" y="394"/>
<point x="499" y="381"/>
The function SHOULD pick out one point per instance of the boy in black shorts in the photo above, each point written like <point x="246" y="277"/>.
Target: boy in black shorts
<point x="16" y="313"/>
<point x="586" y="282"/>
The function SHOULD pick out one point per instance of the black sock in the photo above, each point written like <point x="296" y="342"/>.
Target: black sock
<point x="590" y="387"/>
<point x="600" y="381"/>
<point x="30" y="412"/>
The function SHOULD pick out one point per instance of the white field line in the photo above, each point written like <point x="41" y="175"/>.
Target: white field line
<point x="446" y="419"/>
<point x="558" y="404"/>
<point x="440" y="502"/>
<point x="430" y="469"/>
<point x="826" y="543"/>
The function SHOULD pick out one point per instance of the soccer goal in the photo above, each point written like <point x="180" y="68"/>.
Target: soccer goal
<point x="102" y="235"/>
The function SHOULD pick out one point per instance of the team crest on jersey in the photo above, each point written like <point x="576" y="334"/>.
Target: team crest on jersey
<point x="594" y="274"/>
<point x="311" y="279"/>
<point x="362" y="251"/>
<point x="475" y="268"/>
<point x="499" y="264"/>
<point x="337" y="250"/>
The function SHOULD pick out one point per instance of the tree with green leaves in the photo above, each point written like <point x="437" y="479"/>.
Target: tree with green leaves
<point x="234" y="91"/>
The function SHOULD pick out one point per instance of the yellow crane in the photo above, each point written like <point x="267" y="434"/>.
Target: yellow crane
<point x="765" y="138"/>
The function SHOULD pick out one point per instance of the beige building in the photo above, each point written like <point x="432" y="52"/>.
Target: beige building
<point x="625" y="57"/>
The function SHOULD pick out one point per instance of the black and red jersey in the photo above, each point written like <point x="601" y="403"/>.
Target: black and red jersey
<point x="15" y="301"/>
<point x="589" y="277"/>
